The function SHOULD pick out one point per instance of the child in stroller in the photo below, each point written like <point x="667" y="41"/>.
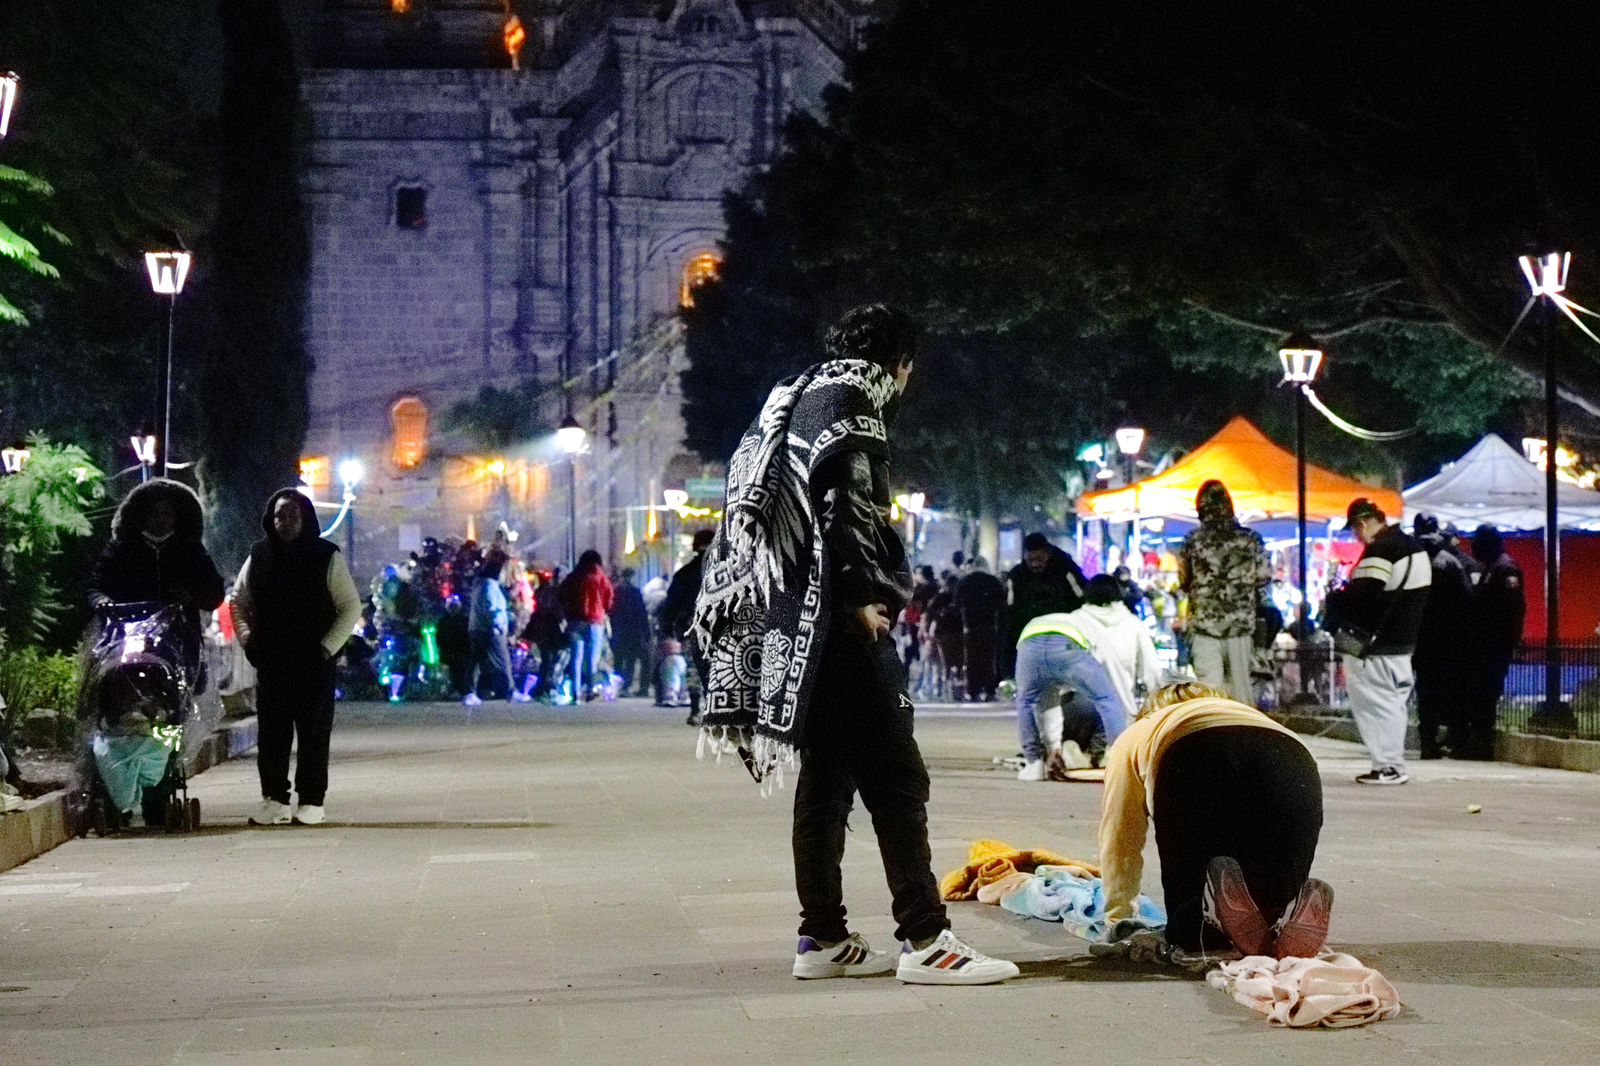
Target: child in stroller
<point x="138" y="703"/>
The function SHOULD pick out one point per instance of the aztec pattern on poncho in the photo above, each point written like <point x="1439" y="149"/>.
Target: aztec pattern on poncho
<point x="763" y="609"/>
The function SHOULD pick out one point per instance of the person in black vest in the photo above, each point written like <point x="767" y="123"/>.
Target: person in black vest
<point x="294" y="604"/>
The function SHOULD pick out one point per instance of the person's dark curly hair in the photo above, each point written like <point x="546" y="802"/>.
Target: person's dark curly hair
<point x="877" y="333"/>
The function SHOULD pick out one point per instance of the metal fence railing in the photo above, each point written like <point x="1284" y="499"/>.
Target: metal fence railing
<point x="1522" y="706"/>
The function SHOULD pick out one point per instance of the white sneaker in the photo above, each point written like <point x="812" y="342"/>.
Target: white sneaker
<point x="471" y="700"/>
<point x="848" y="958"/>
<point x="948" y="961"/>
<point x="306" y="814"/>
<point x="521" y="697"/>
<point x="1032" y="770"/>
<point x="271" y="812"/>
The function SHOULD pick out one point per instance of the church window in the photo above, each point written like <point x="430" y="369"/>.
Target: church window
<point x="314" y="472"/>
<point x="408" y="420"/>
<point x="411" y="207"/>
<point x="696" y="272"/>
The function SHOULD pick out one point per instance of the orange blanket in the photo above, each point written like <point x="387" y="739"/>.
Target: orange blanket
<point x="989" y="861"/>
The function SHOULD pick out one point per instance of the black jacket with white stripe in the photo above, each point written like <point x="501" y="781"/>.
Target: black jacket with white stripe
<point x="1387" y="593"/>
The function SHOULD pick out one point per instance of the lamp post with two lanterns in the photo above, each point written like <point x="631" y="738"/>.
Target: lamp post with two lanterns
<point x="1301" y="356"/>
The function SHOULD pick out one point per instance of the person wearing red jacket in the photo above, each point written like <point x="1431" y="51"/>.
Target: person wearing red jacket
<point x="586" y="598"/>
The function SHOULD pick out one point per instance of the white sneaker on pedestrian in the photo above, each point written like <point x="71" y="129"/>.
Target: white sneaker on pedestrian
<point x="1033" y="770"/>
<point x="271" y="812"/>
<point x="471" y="700"/>
<point x="306" y="814"/>
<point x="521" y="697"/>
<point x="948" y="961"/>
<point x="853" y="957"/>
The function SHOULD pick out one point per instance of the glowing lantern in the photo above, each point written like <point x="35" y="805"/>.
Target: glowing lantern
<point x="9" y="85"/>
<point x="570" y="438"/>
<point x="1546" y="274"/>
<point x="15" y="458"/>
<point x="1301" y="357"/>
<point x="168" y="271"/>
<point x="144" y="448"/>
<point x="400" y="7"/>
<point x="1130" y="440"/>
<point x="515" y="38"/>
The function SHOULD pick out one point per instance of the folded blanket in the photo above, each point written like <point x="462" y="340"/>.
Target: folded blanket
<point x="1335" y="991"/>
<point x="989" y="861"/>
<point x="1069" y="895"/>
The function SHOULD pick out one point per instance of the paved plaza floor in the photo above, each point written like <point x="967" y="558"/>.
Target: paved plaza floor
<point x="570" y="886"/>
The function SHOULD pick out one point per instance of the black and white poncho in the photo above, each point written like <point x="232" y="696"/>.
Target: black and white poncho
<point x="763" y="610"/>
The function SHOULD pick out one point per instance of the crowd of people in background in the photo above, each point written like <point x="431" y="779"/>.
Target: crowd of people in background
<point x="475" y="622"/>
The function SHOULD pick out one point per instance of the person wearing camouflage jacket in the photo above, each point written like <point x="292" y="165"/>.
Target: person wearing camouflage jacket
<point x="1223" y="567"/>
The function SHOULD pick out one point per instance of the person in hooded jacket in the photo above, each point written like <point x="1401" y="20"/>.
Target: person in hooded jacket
<point x="1223" y="567"/>
<point x="1120" y="641"/>
<point x="156" y="555"/>
<point x="293" y="606"/>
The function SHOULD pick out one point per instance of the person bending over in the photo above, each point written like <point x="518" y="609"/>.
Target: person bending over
<point x="1237" y="806"/>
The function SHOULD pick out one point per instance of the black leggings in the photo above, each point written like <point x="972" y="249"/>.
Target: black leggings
<point x="1243" y="791"/>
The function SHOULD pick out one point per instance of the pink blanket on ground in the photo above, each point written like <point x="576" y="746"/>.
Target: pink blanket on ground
<point x="1335" y="991"/>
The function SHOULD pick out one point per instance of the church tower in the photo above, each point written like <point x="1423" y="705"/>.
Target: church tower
<point x="518" y="195"/>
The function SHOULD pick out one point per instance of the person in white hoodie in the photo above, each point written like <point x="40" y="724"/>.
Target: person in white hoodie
<point x="1120" y="640"/>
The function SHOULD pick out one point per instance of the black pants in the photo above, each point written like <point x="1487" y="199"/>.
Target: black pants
<point x="1486" y="682"/>
<point x="294" y="699"/>
<point x="859" y="739"/>
<point x="1250" y="793"/>
<point x="1440" y="703"/>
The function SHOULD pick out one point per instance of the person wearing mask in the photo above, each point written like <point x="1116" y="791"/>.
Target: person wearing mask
<point x="1443" y="659"/>
<point x="1222" y="567"/>
<point x="799" y="595"/>
<point x="156" y="555"/>
<point x="982" y="598"/>
<point x="1121" y="642"/>
<point x="1499" y="607"/>
<point x="1375" y="619"/>
<point x="293" y="606"/>
<point x="1236" y="801"/>
<point x="630" y="635"/>
<point x="587" y="597"/>
<point x="489" y="623"/>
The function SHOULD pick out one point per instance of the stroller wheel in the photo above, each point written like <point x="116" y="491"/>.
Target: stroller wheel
<point x="176" y="815"/>
<point x="193" y="809"/>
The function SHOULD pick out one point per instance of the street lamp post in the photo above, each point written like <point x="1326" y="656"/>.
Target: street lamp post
<point x="1301" y="357"/>
<point x="1130" y="442"/>
<point x="168" y="271"/>
<point x="570" y="438"/>
<point x="1547" y="279"/>
<point x="351" y="471"/>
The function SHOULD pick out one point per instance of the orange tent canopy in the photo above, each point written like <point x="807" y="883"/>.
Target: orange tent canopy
<point x="1259" y="474"/>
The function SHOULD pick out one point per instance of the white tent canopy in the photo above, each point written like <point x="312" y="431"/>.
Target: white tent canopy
<point x="1493" y="483"/>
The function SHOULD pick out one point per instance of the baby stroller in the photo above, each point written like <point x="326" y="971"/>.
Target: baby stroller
<point x="142" y="712"/>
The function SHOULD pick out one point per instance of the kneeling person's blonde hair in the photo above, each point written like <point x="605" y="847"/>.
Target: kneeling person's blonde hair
<point x="1182" y="692"/>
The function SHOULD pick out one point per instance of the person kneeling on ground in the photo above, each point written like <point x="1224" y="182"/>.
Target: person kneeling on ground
<point x="1237" y="805"/>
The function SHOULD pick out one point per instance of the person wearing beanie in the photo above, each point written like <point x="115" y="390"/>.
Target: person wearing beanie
<point x="1375" y="619"/>
<point x="294" y="605"/>
<point x="1443" y="657"/>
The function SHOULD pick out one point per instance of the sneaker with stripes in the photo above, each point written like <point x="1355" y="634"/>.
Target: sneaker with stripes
<point x="949" y="961"/>
<point x="852" y="957"/>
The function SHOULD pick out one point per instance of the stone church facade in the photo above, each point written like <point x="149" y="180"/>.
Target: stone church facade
<point x="520" y="195"/>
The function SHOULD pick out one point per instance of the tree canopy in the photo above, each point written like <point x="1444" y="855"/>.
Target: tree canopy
<point x="1113" y="212"/>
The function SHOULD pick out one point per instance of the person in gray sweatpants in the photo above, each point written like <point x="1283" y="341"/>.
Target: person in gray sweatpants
<point x="1380" y="610"/>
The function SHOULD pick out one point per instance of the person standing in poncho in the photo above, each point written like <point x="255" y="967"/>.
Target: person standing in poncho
<point x="800" y="590"/>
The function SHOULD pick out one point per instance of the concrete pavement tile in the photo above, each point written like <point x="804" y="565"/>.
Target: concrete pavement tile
<point x="843" y="1004"/>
